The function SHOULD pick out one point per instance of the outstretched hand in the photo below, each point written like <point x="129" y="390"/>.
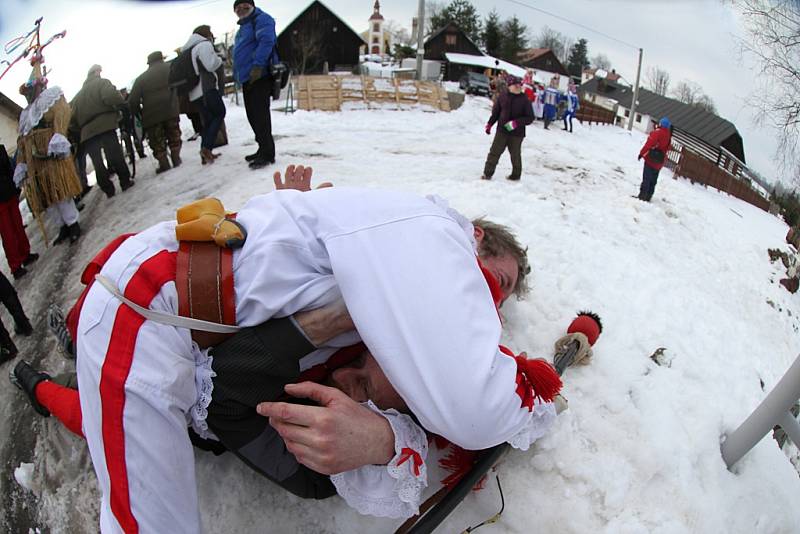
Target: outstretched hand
<point x="297" y="177"/>
<point x="336" y="436"/>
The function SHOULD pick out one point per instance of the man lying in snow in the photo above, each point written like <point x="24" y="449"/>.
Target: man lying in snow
<point x="423" y="304"/>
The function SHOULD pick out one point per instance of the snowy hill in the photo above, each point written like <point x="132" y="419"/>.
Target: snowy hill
<point x="638" y="449"/>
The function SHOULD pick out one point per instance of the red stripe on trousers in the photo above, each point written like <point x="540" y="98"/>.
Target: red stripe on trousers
<point x="63" y="403"/>
<point x="141" y="289"/>
<point x="15" y="242"/>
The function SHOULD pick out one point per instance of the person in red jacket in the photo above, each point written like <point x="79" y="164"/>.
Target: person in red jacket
<point x="654" y="153"/>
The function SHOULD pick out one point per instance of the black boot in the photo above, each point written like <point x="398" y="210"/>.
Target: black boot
<point x="27" y="378"/>
<point x="254" y="155"/>
<point x="8" y="350"/>
<point x="74" y="232"/>
<point x="32" y="257"/>
<point x="63" y="234"/>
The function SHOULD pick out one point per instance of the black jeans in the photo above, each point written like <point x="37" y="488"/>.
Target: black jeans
<point x="649" y="179"/>
<point x="256" y="104"/>
<point x="108" y="142"/>
<point x="213" y="110"/>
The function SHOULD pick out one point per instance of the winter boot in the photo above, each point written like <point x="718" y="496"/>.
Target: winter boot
<point x="175" y="156"/>
<point x="27" y="378"/>
<point x="163" y="164"/>
<point x="206" y="156"/>
<point x="8" y="350"/>
<point x="74" y="232"/>
<point x="58" y="327"/>
<point x="63" y="233"/>
<point x="255" y="155"/>
<point x="19" y="272"/>
<point x="32" y="257"/>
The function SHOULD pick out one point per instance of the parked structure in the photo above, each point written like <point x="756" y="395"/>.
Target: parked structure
<point x="317" y="37"/>
<point x="542" y="59"/>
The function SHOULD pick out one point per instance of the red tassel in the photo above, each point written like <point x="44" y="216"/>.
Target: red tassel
<point x="541" y="376"/>
<point x="458" y="462"/>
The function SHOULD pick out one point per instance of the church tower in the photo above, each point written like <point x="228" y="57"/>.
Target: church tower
<point x="376" y="40"/>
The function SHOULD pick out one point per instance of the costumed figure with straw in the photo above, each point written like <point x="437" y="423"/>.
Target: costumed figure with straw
<point x="45" y="168"/>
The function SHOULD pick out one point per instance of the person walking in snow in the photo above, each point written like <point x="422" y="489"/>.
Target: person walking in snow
<point x="538" y="103"/>
<point x="573" y="105"/>
<point x="551" y="98"/>
<point x="254" y="52"/>
<point x="152" y="98"/>
<point x="654" y="153"/>
<point x="95" y="111"/>
<point x="205" y="94"/>
<point x="15" y="241"/>
<point x="512" y="112"/>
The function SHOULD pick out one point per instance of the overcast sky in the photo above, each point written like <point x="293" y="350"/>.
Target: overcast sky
<point x="691" y="39"/>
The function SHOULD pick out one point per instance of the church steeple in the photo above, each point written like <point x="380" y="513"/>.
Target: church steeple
<point x="377" y="43"/>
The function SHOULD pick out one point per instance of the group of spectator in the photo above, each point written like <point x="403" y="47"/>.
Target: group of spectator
<point x="56" y="136"/>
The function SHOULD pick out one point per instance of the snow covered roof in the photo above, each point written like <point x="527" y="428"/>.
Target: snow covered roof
<point x="485" y="61"/>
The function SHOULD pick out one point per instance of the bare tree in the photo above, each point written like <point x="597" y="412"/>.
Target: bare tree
<point x="556" y="41"/>
<point x="600" y="61"/>
<point x="307" y="48"/>
<point x="400" y="34"/>
<point x="687" y="92"/>
<point x="657" y="79"/>
<point x="773" y="40"/>
<point x="704" y="102"/>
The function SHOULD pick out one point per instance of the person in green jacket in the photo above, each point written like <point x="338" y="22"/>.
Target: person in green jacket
<point x="157" y="104"/>
<point x="95" y="113"/>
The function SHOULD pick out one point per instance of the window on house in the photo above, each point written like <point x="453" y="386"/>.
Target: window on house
<point x="627" y="113"/>
<point x="638" y="118"/>
<point x="375" y="40"/>
<point x="376" y="27"/>
<point x="450" y="39"/>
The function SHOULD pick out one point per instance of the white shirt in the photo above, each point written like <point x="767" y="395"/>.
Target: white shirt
<point x="408" y="274"/>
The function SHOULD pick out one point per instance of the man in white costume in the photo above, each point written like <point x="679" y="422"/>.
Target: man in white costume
<point x="406" y="268"/>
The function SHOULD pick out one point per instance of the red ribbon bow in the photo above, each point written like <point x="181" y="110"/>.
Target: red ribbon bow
<point x="405" y="454"/>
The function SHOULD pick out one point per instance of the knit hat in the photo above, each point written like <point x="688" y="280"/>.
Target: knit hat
<point x="513" y="80"/>
<point x="664" y="123"/>
<point x="94" y="69"/>
<point x="155" y="56"/>
<point x="237" y="2"/>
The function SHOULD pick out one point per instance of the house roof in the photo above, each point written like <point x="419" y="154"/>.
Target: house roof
<point x="702" y="124"/>
<point x="486" y="62"/>
<point x="12" y="107"/>
<point x="309" y="6"/>
<point x="532" y="53"/>
<point x="613" y="76"/>
<point x="441" y="30"/>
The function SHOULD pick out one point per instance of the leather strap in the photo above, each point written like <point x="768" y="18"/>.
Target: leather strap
<point x="204" y="279"/>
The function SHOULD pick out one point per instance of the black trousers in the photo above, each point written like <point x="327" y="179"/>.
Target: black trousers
<point x="649" y="180"/>
<point x="8" y="296"/>
<point x="108" y="143"/>
<point x="256" y="104"/>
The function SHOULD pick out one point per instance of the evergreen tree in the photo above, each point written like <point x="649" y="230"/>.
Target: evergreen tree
<point x="578" y="57"/>
<point x="492" y="34"/>
<point x="514" y="39"/>
<point x="463" y="14"/>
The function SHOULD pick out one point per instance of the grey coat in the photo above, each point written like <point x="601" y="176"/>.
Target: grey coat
<point x="152" y="97"/>
<point x="95" y="107"/>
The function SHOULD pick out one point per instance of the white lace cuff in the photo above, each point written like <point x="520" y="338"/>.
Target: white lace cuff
<point x="58" y="146"/>
<point x="542" y="418"/>
<point x="19" y="173"/>
<point x="203" y="374"/>
<point x="393" y="490"/>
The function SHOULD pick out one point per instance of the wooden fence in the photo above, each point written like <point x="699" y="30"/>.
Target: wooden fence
<point x="591" y="112"/>
<point x="699" y="169"/>
<point x="329" y="93"/>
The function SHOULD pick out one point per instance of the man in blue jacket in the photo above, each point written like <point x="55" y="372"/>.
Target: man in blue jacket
<point x="253" y="53"/>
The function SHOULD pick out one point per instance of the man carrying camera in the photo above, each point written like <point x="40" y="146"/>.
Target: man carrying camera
<point x="254" y="55"/>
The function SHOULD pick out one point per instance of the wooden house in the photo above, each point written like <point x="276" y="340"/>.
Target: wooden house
<point x="450" y="39"/>
<point x="317" y="37"/>
<point x="541" y="59"/>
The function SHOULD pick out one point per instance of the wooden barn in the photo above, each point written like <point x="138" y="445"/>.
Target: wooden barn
<point x="316" y="37"/>
<point x="541" y="59"/>
<point x="450" y="39"/>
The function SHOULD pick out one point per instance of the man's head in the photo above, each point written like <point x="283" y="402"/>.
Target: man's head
<point x="514" y="84"/>
<point x="363" y="380"/>
<point x="243" y="8"/>
<point x="204" y="31"/>
<point x="94" y="71"/>
<point x="503" y="256"/>
<point x="155" y="57"/>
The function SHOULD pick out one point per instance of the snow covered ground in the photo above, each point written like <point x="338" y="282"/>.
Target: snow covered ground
<point x="638" y="449"/>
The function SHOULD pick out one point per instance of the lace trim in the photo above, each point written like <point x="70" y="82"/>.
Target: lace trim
<point x="370" y="491"/>
<point x="542" y="418"/>
<point x="204" y="385"/>
<point x="59" y="146"/>
<point x="32" y="114"/>
<point x="462" y="221"/>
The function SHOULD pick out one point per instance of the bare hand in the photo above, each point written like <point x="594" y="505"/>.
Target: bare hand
<point x="297" y="177"/>
<point x="337" y="436"/>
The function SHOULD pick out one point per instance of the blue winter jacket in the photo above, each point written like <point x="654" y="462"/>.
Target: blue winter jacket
<point x="254" y="44"/>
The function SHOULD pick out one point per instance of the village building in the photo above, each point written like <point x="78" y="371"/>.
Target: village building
<point x="590" y="73"/>
<point x="450" y="39"/>
<point x="542" y="59"/>
<point x="9" y="121"/>
<point x="317" y="41"/>
<point x="379" y="40"/>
